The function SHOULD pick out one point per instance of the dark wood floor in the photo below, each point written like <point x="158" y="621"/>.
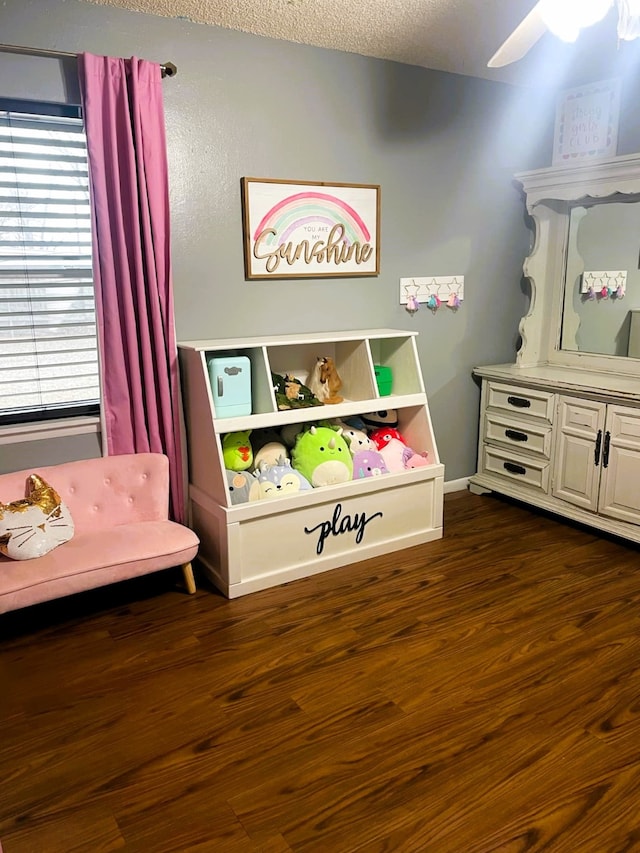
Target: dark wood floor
<point x="480" y="693"/>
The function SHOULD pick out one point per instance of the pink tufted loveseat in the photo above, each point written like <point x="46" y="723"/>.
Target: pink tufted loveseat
<point x="119" y="506"/>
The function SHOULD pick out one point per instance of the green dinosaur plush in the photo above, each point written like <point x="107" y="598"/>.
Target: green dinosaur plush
<point x="322" y="456"/>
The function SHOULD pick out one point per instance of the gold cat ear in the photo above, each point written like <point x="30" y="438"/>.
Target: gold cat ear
<point x="42" y="494"/>
<point x="36" y="482"/>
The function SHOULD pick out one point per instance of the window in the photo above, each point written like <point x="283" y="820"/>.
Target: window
<point x="48" y="347"/>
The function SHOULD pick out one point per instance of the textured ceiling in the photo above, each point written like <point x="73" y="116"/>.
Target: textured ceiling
<point x="458" y="36"/>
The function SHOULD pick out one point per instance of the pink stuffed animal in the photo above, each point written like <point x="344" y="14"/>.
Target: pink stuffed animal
<point x="418" y="460"/>
<point x="394" y="450"/>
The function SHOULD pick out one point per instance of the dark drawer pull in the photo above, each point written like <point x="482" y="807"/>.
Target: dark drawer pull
<point x="520" y="402"/>
<point x="512" y="468"/>
<point x="605" y="452"/>
<point x="515" y="435"/>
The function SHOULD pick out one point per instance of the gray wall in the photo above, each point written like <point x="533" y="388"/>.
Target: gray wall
<point x="443" y="148"/>
<point x="37" y="454"/>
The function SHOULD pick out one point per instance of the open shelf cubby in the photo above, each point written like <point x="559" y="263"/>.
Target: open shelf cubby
<point x="251" y="546"/>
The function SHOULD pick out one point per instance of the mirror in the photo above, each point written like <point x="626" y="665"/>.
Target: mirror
<point x="597" y="316"/>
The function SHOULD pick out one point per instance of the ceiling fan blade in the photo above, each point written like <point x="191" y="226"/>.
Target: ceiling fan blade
<point x="521" y="40"/>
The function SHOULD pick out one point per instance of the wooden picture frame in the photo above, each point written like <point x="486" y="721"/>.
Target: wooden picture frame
<point x="303" y="229"/>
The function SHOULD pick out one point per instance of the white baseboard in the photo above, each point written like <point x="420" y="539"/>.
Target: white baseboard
<point x="456" y="485"/>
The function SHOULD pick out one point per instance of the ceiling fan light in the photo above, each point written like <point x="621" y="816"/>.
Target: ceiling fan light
<point x="592" y="11"/>
<point x="629" y="19"/>
<point x="565" y="18"/>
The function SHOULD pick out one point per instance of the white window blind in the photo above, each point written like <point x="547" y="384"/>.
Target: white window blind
<point x="48" y="348"/>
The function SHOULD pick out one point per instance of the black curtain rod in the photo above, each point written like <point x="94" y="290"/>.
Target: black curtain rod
<point x="168" y="68"/>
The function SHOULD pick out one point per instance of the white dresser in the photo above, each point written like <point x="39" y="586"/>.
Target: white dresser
<point x="565" y="440"/>
<point x="560" y="427"/>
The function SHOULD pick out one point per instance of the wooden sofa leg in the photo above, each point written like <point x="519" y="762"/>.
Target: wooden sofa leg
<point x="189" y="580"/>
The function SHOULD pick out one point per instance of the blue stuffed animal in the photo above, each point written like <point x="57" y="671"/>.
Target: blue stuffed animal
<point x="280" y="480"/>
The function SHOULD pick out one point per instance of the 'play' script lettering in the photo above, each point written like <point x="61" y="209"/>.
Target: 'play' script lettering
<point x="337" y="526"/>
<point x="336" y="250"/>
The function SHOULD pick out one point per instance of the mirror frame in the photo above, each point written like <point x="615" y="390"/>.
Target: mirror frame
<point x="549" y="195"/>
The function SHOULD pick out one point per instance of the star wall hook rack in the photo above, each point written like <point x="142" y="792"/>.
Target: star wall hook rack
<point x="433" y="291"/>
<point x="597" y="285"/>
<point x="411" y="301"/>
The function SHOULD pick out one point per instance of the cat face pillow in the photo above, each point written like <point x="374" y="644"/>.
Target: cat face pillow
<point x="35" y="525"/>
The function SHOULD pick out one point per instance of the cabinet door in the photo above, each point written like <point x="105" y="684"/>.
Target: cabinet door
<point x="579" y="436"/>
<point x="620" y="489"/>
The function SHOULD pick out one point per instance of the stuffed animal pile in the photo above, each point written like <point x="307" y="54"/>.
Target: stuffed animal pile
<point x="267" y="464"/>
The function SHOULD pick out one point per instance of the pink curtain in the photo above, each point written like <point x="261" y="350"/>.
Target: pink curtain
<point x="124" y="122"/>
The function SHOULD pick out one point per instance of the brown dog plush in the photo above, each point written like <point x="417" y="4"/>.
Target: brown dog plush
<point x="325" y="381"/>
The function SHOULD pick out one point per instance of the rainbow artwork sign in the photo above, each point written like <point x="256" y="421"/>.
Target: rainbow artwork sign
<point x="294" y="229"/>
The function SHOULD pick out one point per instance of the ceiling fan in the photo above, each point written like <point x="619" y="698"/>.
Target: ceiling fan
<point x="565" y="19"/>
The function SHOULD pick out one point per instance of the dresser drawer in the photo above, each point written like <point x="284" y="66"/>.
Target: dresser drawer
<point x="509" y="432"/>
<point x="516" y="468"/>
<point x="522" y="401"/>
